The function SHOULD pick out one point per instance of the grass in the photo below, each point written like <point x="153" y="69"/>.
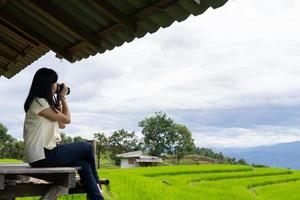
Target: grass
<point x="6" y="161"/>
<point x="200" y="182"/>
<point x="215" y="182"/>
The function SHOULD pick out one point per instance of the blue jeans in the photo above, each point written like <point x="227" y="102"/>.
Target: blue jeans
<point x="75" y="154"/>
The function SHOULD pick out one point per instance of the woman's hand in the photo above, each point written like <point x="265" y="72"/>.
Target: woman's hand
<point x="64" y="92"/>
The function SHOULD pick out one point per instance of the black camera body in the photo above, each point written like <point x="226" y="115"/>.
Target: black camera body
<point x="60" y="87"/>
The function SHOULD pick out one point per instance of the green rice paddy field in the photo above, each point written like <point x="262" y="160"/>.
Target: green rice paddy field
<point x="207" y="182"/>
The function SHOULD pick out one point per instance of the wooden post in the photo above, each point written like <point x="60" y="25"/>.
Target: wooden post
<point x="94" y="144"/>
<point x="2" y="181"/>
<point x="53" y="192"/>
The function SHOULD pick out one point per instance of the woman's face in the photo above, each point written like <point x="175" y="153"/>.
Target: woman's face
<point x="54" y="88"/>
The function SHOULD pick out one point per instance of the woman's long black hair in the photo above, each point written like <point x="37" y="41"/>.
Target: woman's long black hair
<point x="41" y="87"/>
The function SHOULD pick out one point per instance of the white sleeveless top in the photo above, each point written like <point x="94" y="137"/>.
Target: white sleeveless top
<point x="39" y="132"/>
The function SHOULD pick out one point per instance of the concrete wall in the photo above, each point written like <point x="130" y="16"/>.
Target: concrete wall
<point x="125" y="164"/>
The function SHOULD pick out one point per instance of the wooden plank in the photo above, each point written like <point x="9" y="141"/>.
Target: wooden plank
<point x="26" y="169"/>
<point x="113" y="13"/>
<point x="67" y="20"/>
<point x="15" y="165"/>
<point x="72" y="180"/>
<point x="101" y="34"/>
<point x="7" y="56"/>
<point x="2" y="176"/>
<point x="10" y="177"/>
<point x="150" y="9"/>
<point x="58" y="180"/>
<point x="13" y="21"/>
<point x="2" y="2"/>
<point x="18" y="33"/>
<point x="8" y="46"/>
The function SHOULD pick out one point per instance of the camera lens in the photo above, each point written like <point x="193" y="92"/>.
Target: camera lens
<point x="60" y="88"/>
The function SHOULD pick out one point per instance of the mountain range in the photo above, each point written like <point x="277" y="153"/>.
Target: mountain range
<point x="286" y="155"/>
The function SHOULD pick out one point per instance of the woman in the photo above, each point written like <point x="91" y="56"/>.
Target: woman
<point x="45" y="114"/>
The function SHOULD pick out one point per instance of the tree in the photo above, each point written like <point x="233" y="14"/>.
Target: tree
<point x="157" y="131"/>
<point x="163" y="135"/>
<point x="4" y="137"/>
<point x="184" y="143"/>
<point x="65" y="139"/>
<point x="9" y="146"/>
<point x="205" y="152"/>
<point x="13" y="150"/>
<point x="123" y="141"/>
<point x="78" y="139"/>
<point x="242" y="162"/>
<point x="101" y="145"/>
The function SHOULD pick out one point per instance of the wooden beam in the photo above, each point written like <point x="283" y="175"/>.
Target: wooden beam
<point x="42" y="39"/>
<point x="6" y="72"/>
<point x="3" y="2"/>
<point x="18" y="33"/>
<point x="155" y="7"/>
<point x="163" y="3"/>
<point x="9" y="58"/>
<point x="113" y="13"/>
<point x="8" y="46"/>
<point x="101" y="34"/>
<point x="67" y="20"/>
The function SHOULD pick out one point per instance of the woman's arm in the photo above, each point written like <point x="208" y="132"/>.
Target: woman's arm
<point x="56" y="115"/>
<point x="65" y="110"/>
<point x="60" y="124"/>
<point x="62" y="117"/>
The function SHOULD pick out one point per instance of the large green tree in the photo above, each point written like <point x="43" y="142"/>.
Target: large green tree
<point x="184" y="143"/>
<point x="163" y="135"/>
<point x="122" y="141"/>
<point x="157" y="131"/>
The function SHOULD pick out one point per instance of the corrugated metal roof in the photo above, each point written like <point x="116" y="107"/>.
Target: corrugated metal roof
<point x="133" y="154"/>
<point x="77" y="29"/>
<point x="149" y="160"/>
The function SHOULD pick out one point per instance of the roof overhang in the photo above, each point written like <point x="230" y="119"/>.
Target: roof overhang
<point x="77" y="30"/>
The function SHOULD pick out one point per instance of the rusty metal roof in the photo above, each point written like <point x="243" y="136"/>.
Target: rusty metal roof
<point x="77" y="29"/>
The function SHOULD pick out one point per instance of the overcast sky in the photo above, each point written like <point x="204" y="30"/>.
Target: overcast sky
<point x="230" y="75"/>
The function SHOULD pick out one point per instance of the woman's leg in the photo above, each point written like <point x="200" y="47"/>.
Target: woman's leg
<point x="88" y="180"/>
<point x="75" y="154"/>
<point x="67" y="154"/>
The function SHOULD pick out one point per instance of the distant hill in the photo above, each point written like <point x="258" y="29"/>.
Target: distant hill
<point x="285" y="155"/>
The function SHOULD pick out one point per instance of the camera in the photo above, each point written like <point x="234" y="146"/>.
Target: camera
<point x="60" y="87"/>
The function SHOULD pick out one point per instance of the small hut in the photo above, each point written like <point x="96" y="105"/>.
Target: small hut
<point x="137" y="159"/>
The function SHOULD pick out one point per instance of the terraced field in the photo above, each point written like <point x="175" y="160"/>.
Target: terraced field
<point x="207" y="182"/>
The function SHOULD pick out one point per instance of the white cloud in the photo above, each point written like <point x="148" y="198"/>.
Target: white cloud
<point x="205" y="71"/>
<point x="243" y="137"/>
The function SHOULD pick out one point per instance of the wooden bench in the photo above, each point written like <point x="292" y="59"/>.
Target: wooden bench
<point x="21" y="180"/>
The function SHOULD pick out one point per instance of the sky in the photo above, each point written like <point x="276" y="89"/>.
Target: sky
<point x="230" y="75"/>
